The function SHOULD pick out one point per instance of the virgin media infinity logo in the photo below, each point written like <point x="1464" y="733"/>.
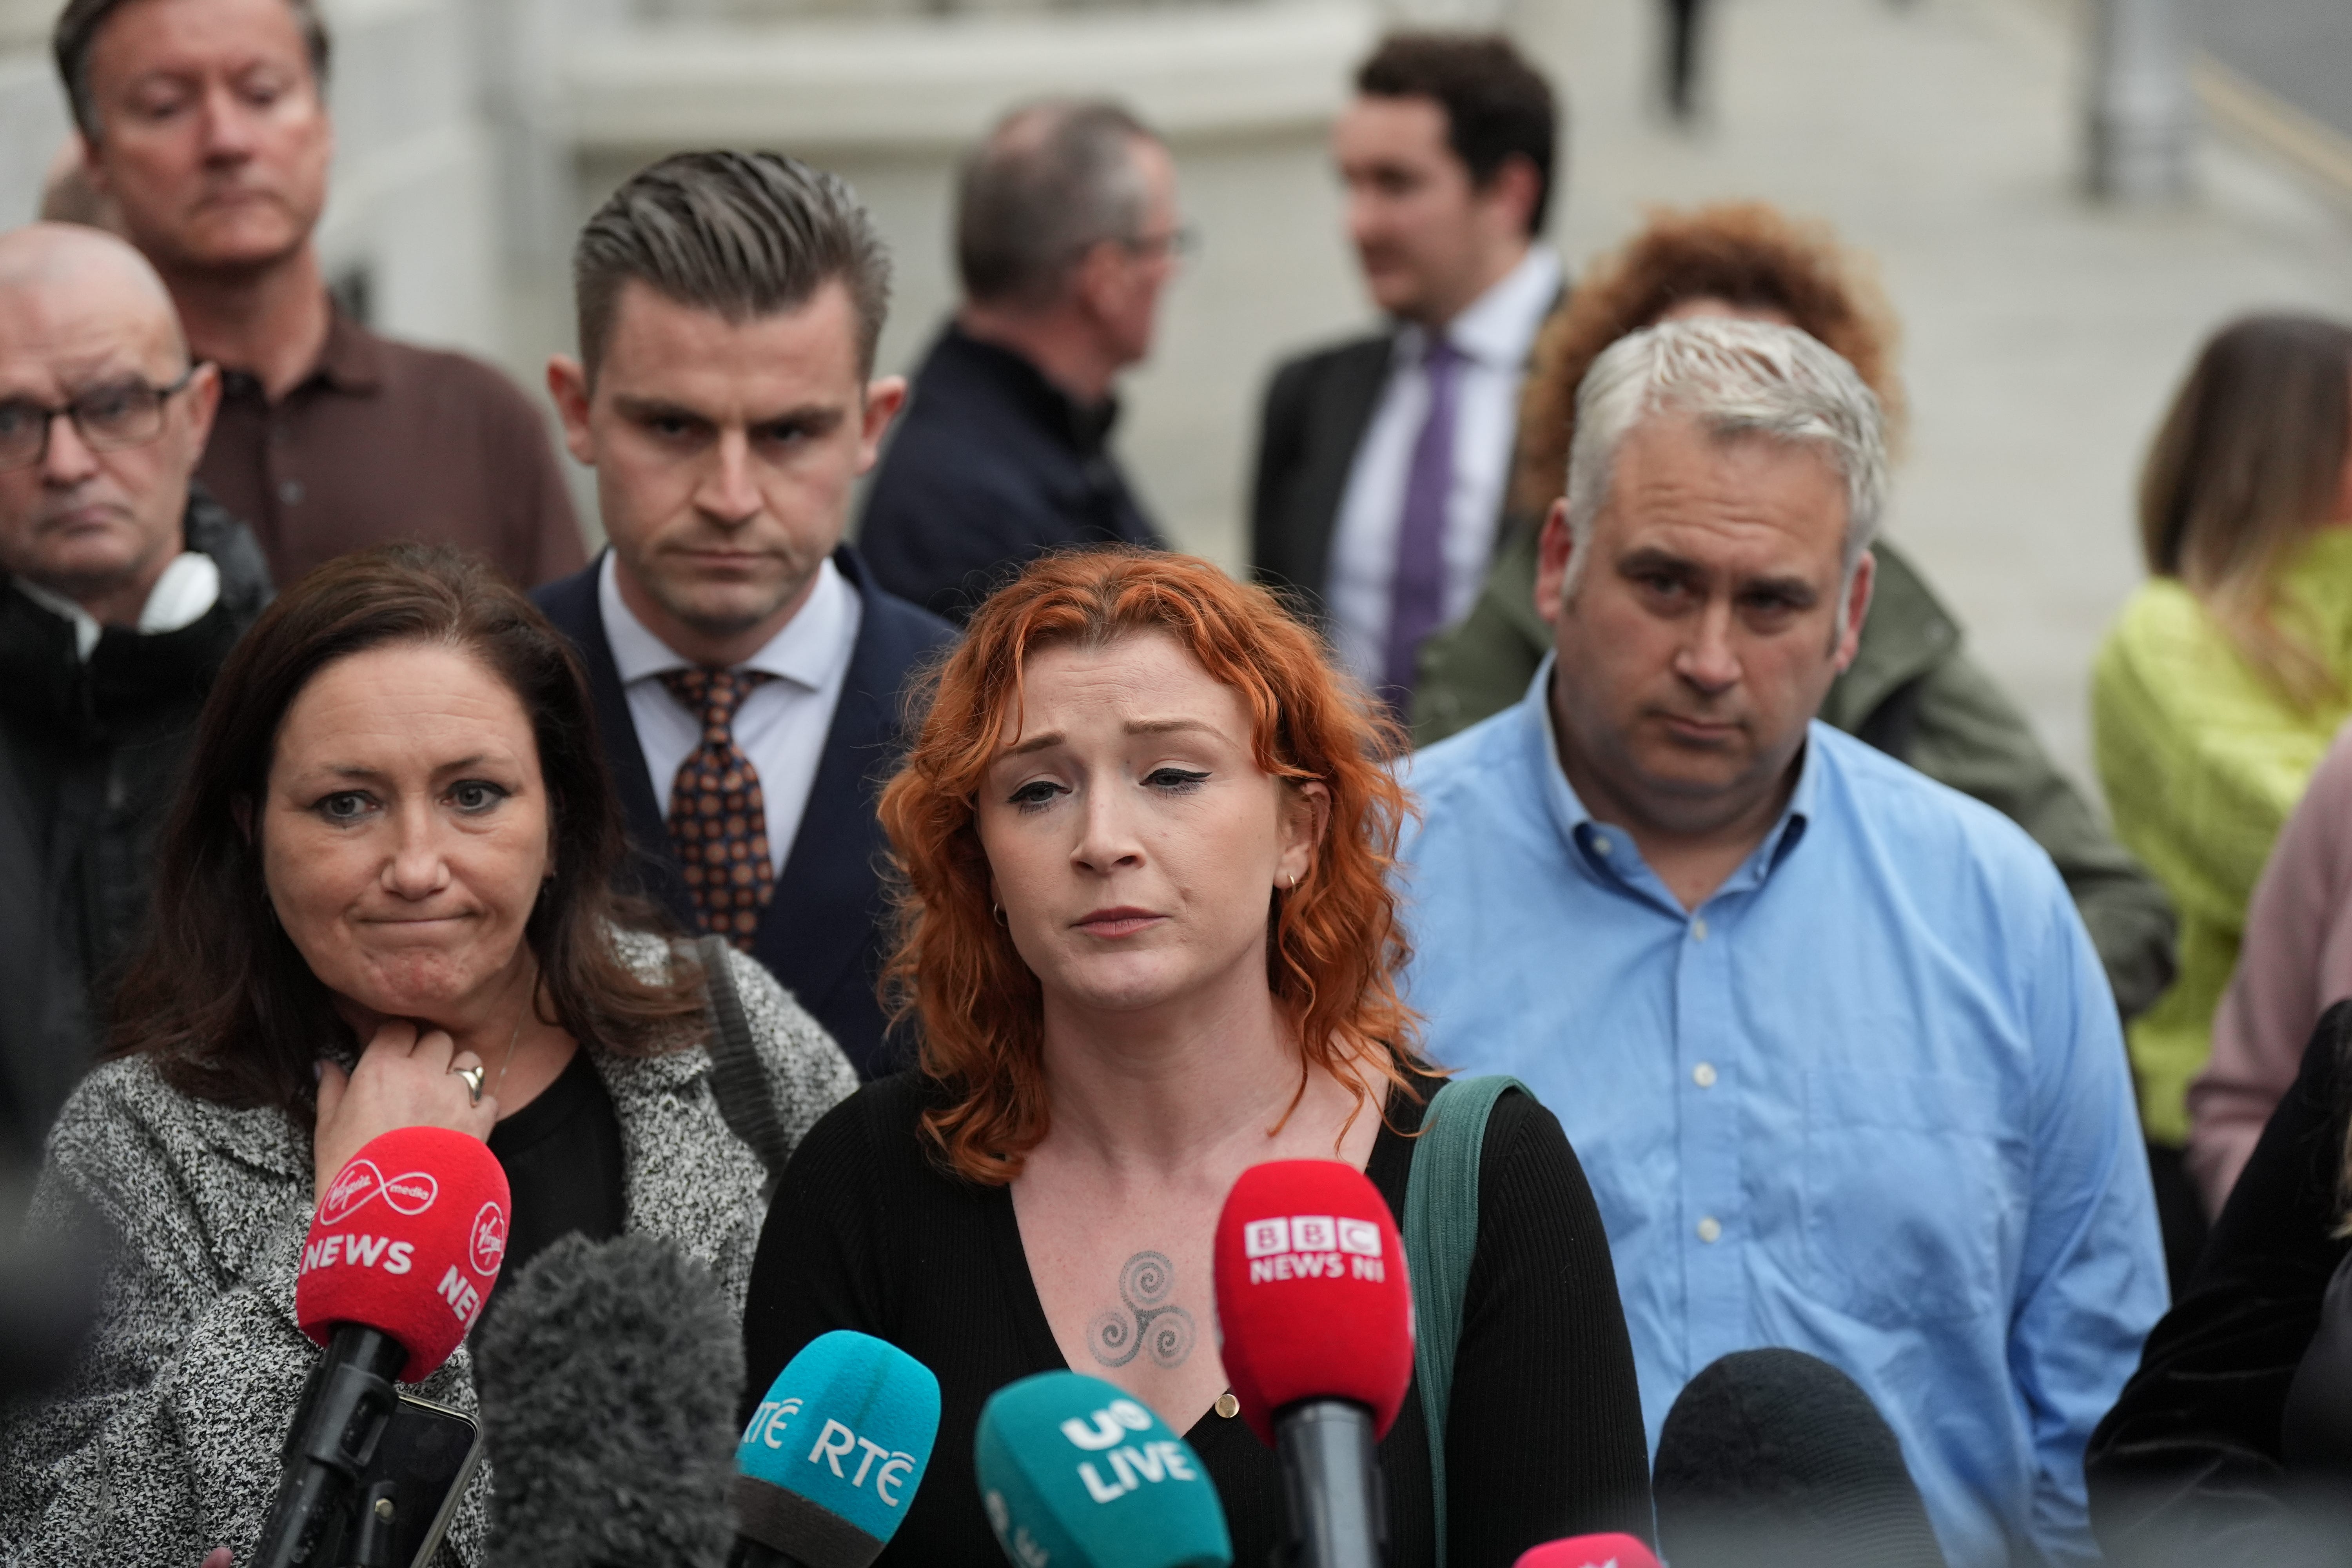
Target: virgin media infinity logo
<point x="410" y="1193"/>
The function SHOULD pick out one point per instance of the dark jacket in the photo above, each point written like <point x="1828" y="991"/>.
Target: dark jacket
<point x="827" y="932"/>
<point x="90" y="758"/>
<point x="991" y="464"/>
<point x="2196" y="1462"/>
<point x="1316" y="409"/>
<point x="1912" y="691"/>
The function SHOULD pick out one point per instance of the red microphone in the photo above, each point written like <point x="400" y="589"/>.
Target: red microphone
<point x="1611" y="1551"/>
<point x="402" y="1251"/>
<point x="1315" y="1324"/>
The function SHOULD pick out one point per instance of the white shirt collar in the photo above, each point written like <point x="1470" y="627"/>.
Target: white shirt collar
<point x="1498" y="328"/>
<point x="804" y="651"/>
<point x="189" y="588"/>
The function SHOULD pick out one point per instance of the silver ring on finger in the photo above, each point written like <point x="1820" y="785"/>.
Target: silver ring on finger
<point x="472" y="1077"/>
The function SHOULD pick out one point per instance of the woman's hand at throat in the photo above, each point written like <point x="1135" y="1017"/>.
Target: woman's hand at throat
<point x="405" y="1078"/>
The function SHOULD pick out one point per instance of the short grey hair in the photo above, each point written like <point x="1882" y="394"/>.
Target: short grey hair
<point x="1736" y="378"/>
<point x="1053" y="180"/>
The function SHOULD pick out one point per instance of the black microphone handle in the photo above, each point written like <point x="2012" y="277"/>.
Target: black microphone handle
<point x="1331" y="1480"/>
<point x="345" y="1406"/>
<point x="750" y="1553"/>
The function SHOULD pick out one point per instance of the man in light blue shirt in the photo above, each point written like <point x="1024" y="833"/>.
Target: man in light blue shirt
<point x="1829" y="1038"/>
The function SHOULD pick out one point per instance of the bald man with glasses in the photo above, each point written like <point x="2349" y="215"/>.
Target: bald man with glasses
<point x="124" y="587"/>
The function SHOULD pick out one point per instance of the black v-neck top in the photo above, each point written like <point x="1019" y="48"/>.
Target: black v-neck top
<point x="1545" y="1438"/>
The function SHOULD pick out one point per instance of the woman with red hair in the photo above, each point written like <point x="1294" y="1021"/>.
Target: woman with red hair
<point x="1146" y="834"/>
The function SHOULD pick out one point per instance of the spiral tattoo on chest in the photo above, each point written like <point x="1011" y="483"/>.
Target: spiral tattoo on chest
<point x="1151" y="1323"/>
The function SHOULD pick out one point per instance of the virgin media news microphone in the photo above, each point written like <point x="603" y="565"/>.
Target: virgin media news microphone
<point x="1611" y="1551"/>
<point x="834" y="1454"/>
<point x="402" y="1253"/>
<point x="1076" y="1474"/>
<point x="1315" y="1323"/>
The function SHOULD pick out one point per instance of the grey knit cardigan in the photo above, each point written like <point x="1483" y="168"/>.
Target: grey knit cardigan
<point x="165" y="1444"/>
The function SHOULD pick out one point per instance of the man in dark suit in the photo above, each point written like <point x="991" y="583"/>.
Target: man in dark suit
<point x="1381" y="461"/>
<point x="746" y="671"/>
<point x="1066" y="233"/>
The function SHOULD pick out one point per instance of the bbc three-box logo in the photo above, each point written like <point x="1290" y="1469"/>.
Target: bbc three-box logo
<point x="1312" y="1246"/>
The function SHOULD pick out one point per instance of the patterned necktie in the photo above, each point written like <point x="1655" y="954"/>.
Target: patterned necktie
<point x="1417" y="592"/>
<point x="718" y="817"/>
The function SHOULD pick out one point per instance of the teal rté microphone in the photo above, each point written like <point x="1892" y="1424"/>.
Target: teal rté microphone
<point x="1074" y="1473"/>
<point x="834" y="1454"/>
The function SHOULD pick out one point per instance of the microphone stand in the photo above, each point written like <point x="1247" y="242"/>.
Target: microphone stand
<point x="344" y="1410"/>
<point x="1331" y="1479"/>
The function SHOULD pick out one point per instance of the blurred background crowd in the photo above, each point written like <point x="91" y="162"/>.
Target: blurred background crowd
<point x="1305" y="287"/>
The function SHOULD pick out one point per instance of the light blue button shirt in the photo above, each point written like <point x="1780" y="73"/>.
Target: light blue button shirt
<point x="1868" y="1100"/>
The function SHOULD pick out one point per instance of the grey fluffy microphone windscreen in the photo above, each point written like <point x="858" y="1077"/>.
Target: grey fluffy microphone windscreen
<point x="1774" y="1459"/>
<point x="609" y="1375"/>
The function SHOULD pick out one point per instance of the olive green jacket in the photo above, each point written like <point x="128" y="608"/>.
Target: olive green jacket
<point x="1913" y="692"/>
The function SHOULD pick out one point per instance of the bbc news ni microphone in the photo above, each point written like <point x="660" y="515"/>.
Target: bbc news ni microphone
<point x="1315" y="1324"/>
<point x="403" y="1250"/>
<point x="1610" y="1550"/>
<point x="1074" y="1473"/>
<point x="834" y="1454"/>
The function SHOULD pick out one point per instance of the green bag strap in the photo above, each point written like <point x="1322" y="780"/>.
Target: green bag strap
<point x="1441" y="1236"/>
<point x="738" y="1082"/>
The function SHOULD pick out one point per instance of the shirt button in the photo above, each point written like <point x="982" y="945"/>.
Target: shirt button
<point x="1709" y="1230"/>
<point x="1601" y="846"/>
<point x="1703" y="1075"/>
<point x="1698" y="928"/>
<point x="289" y="491"/>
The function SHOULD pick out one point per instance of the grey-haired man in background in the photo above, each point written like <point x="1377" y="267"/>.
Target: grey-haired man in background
<point x="1066" y="233"/>
<point x="1829" y="1036"/>
<point x="122" y="588"/>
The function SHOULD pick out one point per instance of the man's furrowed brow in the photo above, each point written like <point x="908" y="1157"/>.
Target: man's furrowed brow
<point x="813" y="417"/>
<point x="1650" y="560"/>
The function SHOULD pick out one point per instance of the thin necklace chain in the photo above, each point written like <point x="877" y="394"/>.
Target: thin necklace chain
<point x="499" y="1086"/>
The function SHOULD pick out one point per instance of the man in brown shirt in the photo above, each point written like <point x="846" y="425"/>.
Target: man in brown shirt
<point x="206" y="126"/>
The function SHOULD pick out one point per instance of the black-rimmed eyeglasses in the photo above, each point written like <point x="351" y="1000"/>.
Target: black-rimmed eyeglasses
<point x="107" y="418"/>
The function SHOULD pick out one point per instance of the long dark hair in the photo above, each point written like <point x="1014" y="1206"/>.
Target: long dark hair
<point x="218" y="994"/>
<point x="2248" y="463"/>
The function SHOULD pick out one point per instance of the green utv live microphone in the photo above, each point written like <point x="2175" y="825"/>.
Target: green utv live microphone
<point x="1076" y="1473"/>
<point x="834" y="1454"/>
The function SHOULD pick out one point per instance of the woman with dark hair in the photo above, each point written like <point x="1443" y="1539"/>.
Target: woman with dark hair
<point x="2221" y="683"/>
<point x="383" y="901"/>
<point x="1148" y="928"/>
<point x="1913" y="690"/>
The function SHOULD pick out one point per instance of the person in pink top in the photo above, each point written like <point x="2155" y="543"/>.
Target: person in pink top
<point x="2294" y="962"/>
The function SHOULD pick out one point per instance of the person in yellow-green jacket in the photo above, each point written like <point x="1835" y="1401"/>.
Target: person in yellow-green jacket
<point x="2228" y="671"/>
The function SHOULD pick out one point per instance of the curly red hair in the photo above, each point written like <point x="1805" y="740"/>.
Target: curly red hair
<point x="1746" y="253"/>
<point x="1333" y="944"/>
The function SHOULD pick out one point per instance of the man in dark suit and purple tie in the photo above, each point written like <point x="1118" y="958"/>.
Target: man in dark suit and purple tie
<point x="748" y="673"/>
<point x="1381" y="460"/>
